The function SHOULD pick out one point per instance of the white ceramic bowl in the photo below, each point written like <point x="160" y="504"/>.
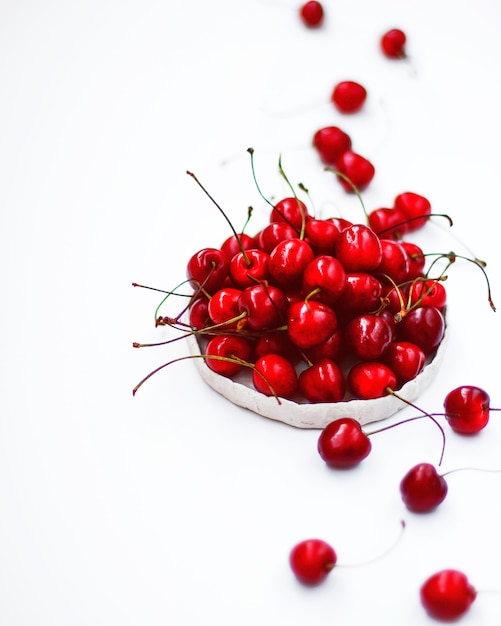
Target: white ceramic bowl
<point x="241" y="392"/>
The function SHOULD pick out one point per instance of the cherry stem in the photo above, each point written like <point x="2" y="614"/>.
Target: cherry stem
<point x="184" y="295"/>
<point x="383" y="428"/>
<point x="413" y="219"/>
<point x="353" y="186"/>
<point x="171" y="293"/>
<point x="237" y="236"/>
<point x="300" y="207"/>
<point x="393" y="393"/>
<point x="472" y="469"/>
<point x="379" y="556"/>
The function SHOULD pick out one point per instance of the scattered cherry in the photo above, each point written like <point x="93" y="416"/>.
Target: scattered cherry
<point x="312" y="14"/>
<point x="343" y="444"/>
<point x="423" y="488"/>
<point x="348" y="96"/>
<point x="467" y="409"/>
<point x="447" y="595"/>
<point x="312" y="560"/>
<point x="393" y="44"/>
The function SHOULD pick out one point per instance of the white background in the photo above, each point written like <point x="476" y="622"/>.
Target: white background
<point x="175" y="507"/>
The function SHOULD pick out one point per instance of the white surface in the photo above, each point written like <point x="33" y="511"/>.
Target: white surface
<point x="176" y="507"/>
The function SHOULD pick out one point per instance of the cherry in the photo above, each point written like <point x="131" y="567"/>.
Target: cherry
<point x="326" y="276"/>
<point x="416" y="259"/>
<point x="371" y="379"/>
<point x="312" y="14"/>
<point x="467" y="409"/>
<point x="343" y="444"/>
<point x="331" y="142"/>
<point x="265" y="306"/>
<point x="323" y="381"/>
<point x="422" y="488"/>
<point x="223" y="308"/>
<point x="207" y="269"/>
<point x="312" y="560"/>
<point x="321" y="235"/>
<point x="361" y="293"/>
<point x="447" y="595"/>
<point x="428" y="292"/>
<point x="393" y="44"/>
<point x="249" y="267"/>
<point x="276" y="343"/>
<point x="424" y="326"/>
<point x="417" y="209"/>
<point x="275" y="375"/>
<point x="405" y="359"/>
<point x="235" y="243"/>
<point x="310" y="323"/>
<point x="388" y="222"/>
<point x="358" y="248"/>
<point x="357" y="169"/>
<point x="332" y="348"/>
<point x="199" y="313"/>
<point x="227" y="352"/>
<point x="288" y="261"/>
<point x="290" y="210"/>
<point x="369" y="336"/>
<point x="394" y="261"/>
<point x="268" y="238"/>
<point x="348" y="96"/>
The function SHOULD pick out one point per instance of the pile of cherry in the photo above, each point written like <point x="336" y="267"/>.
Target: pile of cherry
<point x="322" y="310"/>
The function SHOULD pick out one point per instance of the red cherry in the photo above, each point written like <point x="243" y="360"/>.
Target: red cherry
<point x="358" y="248"/>
<point x="249" y="268"/>
<point x="422" y="488"/>
<point x="275" y="375"/>
<point x="265" y="305"/>
<point x="223" y="308"/>
<point x="331" y="142"/>
<point x="323" y="382"/>
<point x="388" y="223"/>
<point x="312" y="560"/>
<point x="321" y="235"/>
<point x="276" y="343"/>
<point x="428" y="293"/>
<point x="368" y="336"/>
<point x="268" y="238"/>
<point x="467" y="409"/>
<point x="332" y="348"/>
<point x="394" y="298"/>
<point x="348" y="96"/>
<point x="325" y="274"/>
<point x="393" y="44"/>
<point x="424" y="326"/>
<point x="447" y="595"/>
<point x="361" y="294"/>
<point x="288" y="261"/>
<point x="310" y="323"/>
<point x="371" y="379"/>
<point x="234" y="244"/>
<point x="416" y="259"/>
<point x="405" y="359"/>
<point x="228" y="347"/>
<point x="199" y="313"/>
<point x="343" y="444"/>
<point x="292" y="211"/>
<point x="417" y="209"/>
<point x="357" y="169"/>
<point x="312" y="14"/>
<point x="207" y="269"/>
<point x="394" y="261"/>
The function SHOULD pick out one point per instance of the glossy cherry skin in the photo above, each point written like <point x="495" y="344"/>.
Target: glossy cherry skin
<point x="322" y="235"/>
<point x="393" y="44"/>
<point x="417" y="208"/>
<point x="424" y="326"/>
<point x="405" y="359"/>
<point x="359" y="249"/>
<point x="265" y="305"/>
<point x="276" y="343"/>
<point x="416" y="259"/>
<point x="228" y="347"/>
<point x="312" y="560"/>
<point x="223" y="308"/>
<point x="357" y="169"/>
<point x="467" y="409"/>
<point x="371" y="379"/>
<point x="428" y="292"/>
<point x="332" y="348"/>
<point x="312" y="14"/>
<point x="447" y="595"/>
<point x="326" y="275"/>
<point x="389" y="223"/>
<point x="331" y="142"/>
<point x="292" y="211"/>
<point x="394" y="262"/>
<point x="368" y="336"/>
<point x="423" y="489"/>
<point x="288" y="261"/>
<point x="343" y="444"/>
<point x="199" y="313"/>
<point x="272" y="234"/>
<point x="233" y="244"/>
<point x="249" y="268"/>
<point x="207" y="269"/>
<point x="360" y="295"/>
<point x="275" y="375"/>
<point x="310" y="323"/>
<point x="323" y="382"/>
<point x="348" y="96"/>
